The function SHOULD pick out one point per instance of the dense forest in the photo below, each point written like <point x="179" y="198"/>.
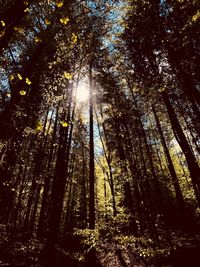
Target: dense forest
<point x="100" y="133"/>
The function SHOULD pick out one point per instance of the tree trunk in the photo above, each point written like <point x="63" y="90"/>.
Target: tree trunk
<point x="181" y="139"/>
<point x="108" y="161"/>
<point x="91" y="177"/>
<point x="176" y="185"/>
<point x="58" y="187"/>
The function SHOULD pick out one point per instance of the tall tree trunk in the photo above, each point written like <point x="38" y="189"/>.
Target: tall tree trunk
<point x="47" y="180"/>
<point x="181" y="139"/>
<point x="58" y="187"/>
<point x="129" y="201"/>
<point x="179" y="195"/>
<point x="91" y="177"/>
<point x="83" y="191"/>
<point x="108" y="161"/>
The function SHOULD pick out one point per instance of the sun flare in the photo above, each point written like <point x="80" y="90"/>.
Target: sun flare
<point x="82" y="94"/>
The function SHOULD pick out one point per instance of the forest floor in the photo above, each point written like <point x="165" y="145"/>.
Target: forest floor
<point x="121" y="251"/>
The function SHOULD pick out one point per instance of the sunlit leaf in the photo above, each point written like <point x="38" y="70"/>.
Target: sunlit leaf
<point x="19" y="76"/>
<point x="162" y="89"/>
<point x="19" y="30"/>
<point x="64" y="21"/>
<point x="2" y="33"/>
<point x="11" y="77"/>
<point x="22" y="92"/>
<point x="67" y="75"/>
<point x="28" y="81"/>
<point x="74" y="38"/>
<point x="3" y="23"/>
<point x="39" y="126"/>
<point x="26" y="10"/>
<point x="196" y="16"/>
<point x="47" y="22"/>
<point x="64" y="124"/>
<point x="59" y="4"/>
<point x="38" y="40"/>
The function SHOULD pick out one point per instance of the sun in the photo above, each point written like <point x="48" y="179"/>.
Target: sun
<point x="82" y="94"/>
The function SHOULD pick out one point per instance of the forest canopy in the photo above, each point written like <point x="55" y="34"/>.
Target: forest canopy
<point x="100" y="133"/>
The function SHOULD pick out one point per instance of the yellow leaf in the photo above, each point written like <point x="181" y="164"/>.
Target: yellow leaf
<point x="19" y="76"/>
<point x="28" y="81"/>
<point x="74" y="38"/>
<point x="67" y="75"/>
<point x="38" y="40"/>
<point x="39" y="126"/>
<point x="64" y="21"/>
<point x="26" y="10"/>
<point x="26" y="3"/>
<point x="59" y="4"/>
<point x="3" y="23"/>
<point x="196" y="16"/>
<point x="47" y="22"/>
<point x="22" y="92"/>
<point x="64" y="123"/>
<point x="11" y="77"/>
<point x="2" y="33"/>
<point x="18" y="29"/>
<point x="162" y="89"/>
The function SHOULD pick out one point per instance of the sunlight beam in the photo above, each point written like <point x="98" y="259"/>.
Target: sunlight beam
<point x="82" y="94"/>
